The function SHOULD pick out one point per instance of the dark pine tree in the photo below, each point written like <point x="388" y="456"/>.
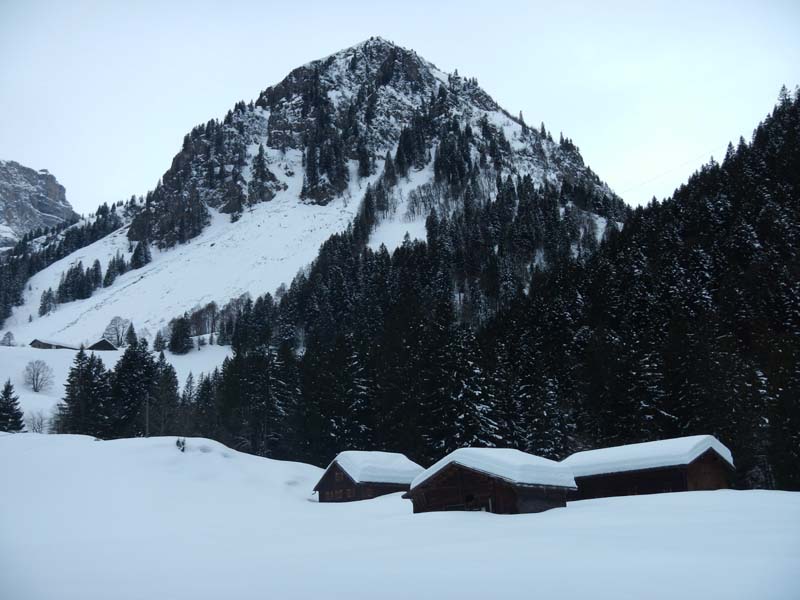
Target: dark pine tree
<point x="180" y="340"/>
<point x="10" y="411"/>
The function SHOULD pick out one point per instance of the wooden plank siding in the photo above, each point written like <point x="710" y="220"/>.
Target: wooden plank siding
<point x="707" y="472"/>
<point x="337" y="486"/>
<point x="457" y="487"/>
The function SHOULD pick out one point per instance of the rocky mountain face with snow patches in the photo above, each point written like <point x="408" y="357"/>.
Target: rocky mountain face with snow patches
<point x="257" y="193"/>
<point x="29" y="200"/>
<point x="332" y="122"/>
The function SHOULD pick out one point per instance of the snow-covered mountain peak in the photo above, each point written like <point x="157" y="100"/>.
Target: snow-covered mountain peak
<point x="255" y="194"/>
<point x="350" y="107"/>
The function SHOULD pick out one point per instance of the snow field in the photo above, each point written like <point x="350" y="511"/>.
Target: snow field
<point x="139" y="517"/>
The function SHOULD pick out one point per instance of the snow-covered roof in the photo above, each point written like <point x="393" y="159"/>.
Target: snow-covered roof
<point x="506" y="463"/>
<point x="377" y="467"/>
<point x="647" y="455"/>
<point x="53" y="343"/>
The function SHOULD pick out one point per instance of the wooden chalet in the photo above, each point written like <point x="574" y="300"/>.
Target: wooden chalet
<point x="699" y="462"/>
<point x="360" y="475"/>
<point x="497" y="480"/>
<point x="50" y="345"/>
<point x="102" y="345"/>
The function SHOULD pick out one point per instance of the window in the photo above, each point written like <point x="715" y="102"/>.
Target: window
<point x="339" y="476"/>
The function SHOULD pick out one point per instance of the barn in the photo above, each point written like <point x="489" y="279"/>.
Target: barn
<point x="50" y="345"/>
<point x="699" y="462"/>
<point x="497" y="480"/>
<point x="360" y="475"/>
<point x="102" y="345"/>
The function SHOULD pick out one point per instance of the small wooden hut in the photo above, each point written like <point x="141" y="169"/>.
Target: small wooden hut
<point x="699" y="462"/>
<point x="50" y="345"/>
<point x="360" y="475"/>
<point x="102" y="345"/>
<point x="497" y="480"/>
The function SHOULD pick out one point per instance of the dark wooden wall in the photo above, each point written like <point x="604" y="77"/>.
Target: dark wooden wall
<point x="707" y="472"/>
<point x="337" y="486"/>
<point x="458" y="488"/>
<point x="632" y="483"/>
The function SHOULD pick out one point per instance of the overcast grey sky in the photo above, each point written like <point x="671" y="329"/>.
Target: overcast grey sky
<point x="102" y="93"/>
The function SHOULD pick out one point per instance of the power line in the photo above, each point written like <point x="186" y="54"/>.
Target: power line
<point x="694" y="159"/>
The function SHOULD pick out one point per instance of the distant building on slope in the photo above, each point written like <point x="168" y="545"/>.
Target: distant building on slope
<point x="497" y="480"/>
<point x="50" y="345"/>
<point x="699" y="462"/>
<point x="360" y="475"/>
<point x="102" y="345"/>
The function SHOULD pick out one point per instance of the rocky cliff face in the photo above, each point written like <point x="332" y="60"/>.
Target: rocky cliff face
<point x="29" y="199"/>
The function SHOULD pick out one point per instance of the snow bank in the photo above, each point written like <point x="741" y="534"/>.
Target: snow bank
<point x="506" y="463"/>
<point x="134" y="519"/>
<point x="377" y="467"/>
<point x="647" y="455"/>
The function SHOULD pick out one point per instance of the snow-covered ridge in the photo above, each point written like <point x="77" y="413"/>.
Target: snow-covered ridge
<point x="646" y="455"/>
<point x="512" y="465"/>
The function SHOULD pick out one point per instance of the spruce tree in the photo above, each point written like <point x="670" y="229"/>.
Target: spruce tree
<point x="180" y="341"/>
<point x="159" y="345"/>
<point x="130" y="336"/>
<point x="133" y="384"/>
<point x="10" y="411"/>
<point x="85" y="407"/>
<point x="163" y="410"/>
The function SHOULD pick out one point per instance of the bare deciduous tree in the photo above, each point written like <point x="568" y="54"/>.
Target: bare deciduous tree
<point x="37" y="422"/>
<point x="116" y="331"/>
<point x="38" y="375"/>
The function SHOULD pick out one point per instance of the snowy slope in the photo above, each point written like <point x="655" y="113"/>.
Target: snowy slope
<point x="14" y="359"/>
<point x="265" y="248"/>
<point x="140" y="518"/>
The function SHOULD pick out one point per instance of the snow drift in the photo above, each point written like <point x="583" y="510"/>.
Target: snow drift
<point x="134" y="519"/>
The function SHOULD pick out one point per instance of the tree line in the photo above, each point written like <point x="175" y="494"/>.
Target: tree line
<point x="684" y="322"/>
<point x="28" y="258"/>
<point x="77" y="283"/>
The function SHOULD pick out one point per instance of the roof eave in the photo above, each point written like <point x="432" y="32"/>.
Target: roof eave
<point x="490" y="474"/>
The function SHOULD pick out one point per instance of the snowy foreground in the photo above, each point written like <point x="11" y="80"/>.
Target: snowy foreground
<point x="139" y="519"/>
